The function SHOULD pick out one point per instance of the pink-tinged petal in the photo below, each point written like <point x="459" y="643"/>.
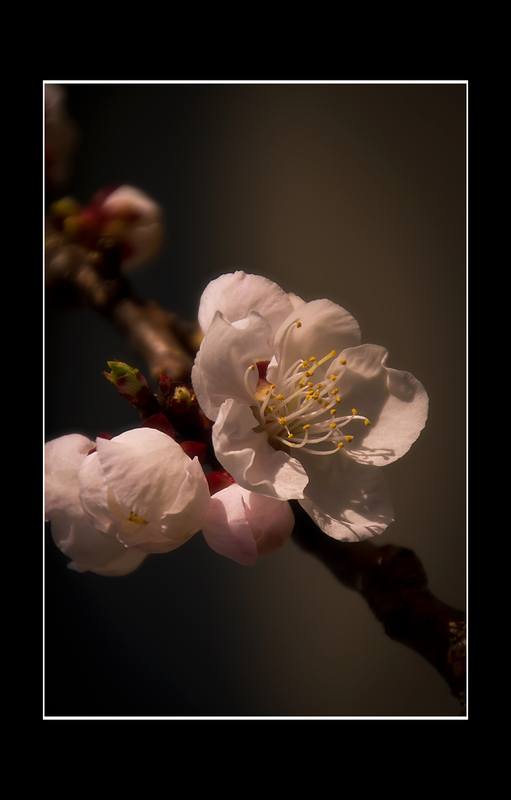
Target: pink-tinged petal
<point x="225" y="355"/>
<point x="143" y="467"/>
<point x="226" y="528"/>
<point x="395" y="403"/>
<point x="143" y="234"/>
<point x="94" y="495"/>
<point x="272" y="521"/>
<point x="91" y="550"/>
<point x="249" y="458"/>
<point x="347" y="500"/>
<point x="324" y="327"/>
<point x="63" y="458"/>
<point x="237" y="293"/>
<point x="188" y="512"/>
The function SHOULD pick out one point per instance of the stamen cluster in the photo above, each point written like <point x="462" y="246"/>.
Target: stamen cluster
<point x="301" y="412"/>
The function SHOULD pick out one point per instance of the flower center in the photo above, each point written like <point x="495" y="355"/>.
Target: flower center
<point x="301" y="412"/>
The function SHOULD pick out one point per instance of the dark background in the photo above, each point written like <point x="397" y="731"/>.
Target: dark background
<point x="355" y="192"/>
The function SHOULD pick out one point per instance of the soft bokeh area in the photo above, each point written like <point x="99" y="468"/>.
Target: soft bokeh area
<point x="354" y="192"/>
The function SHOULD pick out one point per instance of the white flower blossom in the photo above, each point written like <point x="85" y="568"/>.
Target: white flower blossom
<point x="301" y="409"/>
<point x="135" y="494"/>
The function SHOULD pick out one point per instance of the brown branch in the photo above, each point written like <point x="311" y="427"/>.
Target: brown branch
<point x="394" y="584"/>
<point x="93" y="278"/>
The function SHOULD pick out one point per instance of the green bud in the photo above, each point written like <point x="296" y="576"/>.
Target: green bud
<point x="132" y="386"/>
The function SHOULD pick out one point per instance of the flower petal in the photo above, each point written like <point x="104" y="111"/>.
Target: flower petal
<point x="226" y="528"/>
<point x="91" y="550"/>
<point x="324" y="327"/>
<point x="395" y="402"/>
<point x="144" y="469"/>
<point x="94" y="495"/>
<point x="272" y="521"/>
<point x="186" y="517"/>
<point x="225" y="354"/>
<point x="237" y="293"/>
<point x="63" y="458"/>
<point x="347" y="500"/>
<point x="252" y="462"/>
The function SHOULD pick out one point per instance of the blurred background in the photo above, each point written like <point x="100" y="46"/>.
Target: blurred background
<point x="354" y="192"/>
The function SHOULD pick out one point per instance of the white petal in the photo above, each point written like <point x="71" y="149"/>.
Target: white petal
<point x="226" y="352"/>
<point x="250" y="459"/>
<point x="90" y="549"/>
<point x="63" y="458"/>
<point x="324" y="327"/>
<point x="226" y="528"/>
<point x="144" y="468"/>
<point x="94" y="496"/>
<point x="237" y="293"/>
<point x="394" y="401"/>
<point x="186" y="517"/>
<point x="347" y="500"/>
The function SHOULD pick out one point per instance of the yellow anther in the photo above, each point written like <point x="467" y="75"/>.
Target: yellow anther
<point x="270" y="408"/>
<point x="252" y="367"/>
<point x="333" y="425"/>
<point x="338" y="399"/>
<point x="312" y="358"/>
<point x="349" y="438"/>
<point x="353" y="410"/>
<point x="134" y="518"/>
<point x="290" y="435"/>
<point x="341" y="444"/>
<point x="301" y="385"/>
<point x="267" y="391"/>
<point x="305" y="364"/>
<point x="305" y="427"/>
<point x="282" y="421"/>
<point x="319" y="387"/>
<point x="367" y="422"/>
<point x="298" y="324"/>
<point x="309" y="374"/>
<point x="333" y="377"/>
<point x="342" y="361"/>
<point x="280" y="397"/>
<point x="333" y="411"/>
<point x="335" y="391"/>
<point x="325" y="405"/>
<point x="310" y="384"/>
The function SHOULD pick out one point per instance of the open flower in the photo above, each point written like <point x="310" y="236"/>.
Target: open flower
<point x="136" y="493"/>
<point x="302" y="410"/>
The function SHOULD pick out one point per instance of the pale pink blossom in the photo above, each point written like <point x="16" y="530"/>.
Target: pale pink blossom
<point x="301" y="408"/>
<point x="137" y="220"/>
<point x="243" y="525"/>
<point x="123" y="497"/>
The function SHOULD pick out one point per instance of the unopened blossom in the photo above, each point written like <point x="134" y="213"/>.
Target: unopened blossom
<point x="301" y="408"/>
<point x="136" y="493"/>
<point x="243" y="525"/>
<point x="123" y="214"/>
<point x="137" y="221"/>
